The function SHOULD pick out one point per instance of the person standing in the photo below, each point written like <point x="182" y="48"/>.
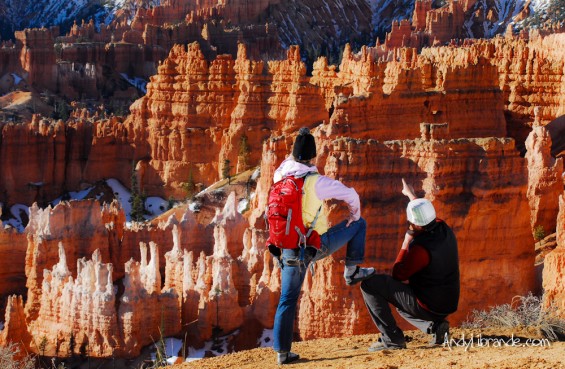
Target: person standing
<point x="429" y="261"/>
<point x="350" y="232"/>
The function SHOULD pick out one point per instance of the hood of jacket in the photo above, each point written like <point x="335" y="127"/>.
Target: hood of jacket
<point x="290" y="167"/>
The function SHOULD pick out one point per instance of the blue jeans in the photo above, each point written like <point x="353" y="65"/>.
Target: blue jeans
<point x="293" y="273"/>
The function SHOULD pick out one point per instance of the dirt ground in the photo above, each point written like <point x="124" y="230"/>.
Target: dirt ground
<point x="351" y="353"/>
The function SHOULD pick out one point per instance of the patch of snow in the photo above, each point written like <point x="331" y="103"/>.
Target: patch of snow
<point x="382" y="19"/>
<point x="266" y="339"/>
<point x="243" y="205"/>
<point x="75" y="195"/>
<point x="156" y="205"/>
<point x="467" y="26"/>
<point x="197" y="354"/>
<point x="172" y="349"/>
<point x="136" y="82"/>
<point x="16" y="220"/>
<point x="194" y="206"/>
<point x="218" y="349"/>
<point x="122" y="194"/>
<point x="256" y="174"/>
<point x="17" y="79"/>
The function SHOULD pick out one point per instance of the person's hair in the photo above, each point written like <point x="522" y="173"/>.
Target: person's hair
<point x="304" y="146"/>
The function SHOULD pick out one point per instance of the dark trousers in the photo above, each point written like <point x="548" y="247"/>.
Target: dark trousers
<point x="380" y="290"/>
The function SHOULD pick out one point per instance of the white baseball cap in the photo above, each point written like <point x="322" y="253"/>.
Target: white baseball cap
<point x="420" y="212"/>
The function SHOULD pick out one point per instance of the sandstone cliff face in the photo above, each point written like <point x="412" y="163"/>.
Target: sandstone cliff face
<point x="429" y="27"/>
<point x="531" y="77"/>
<point x="82" y="308"/>
<point x="232" y="98"/>
<point x="464" y="178"/>
<point x="412" y="89"/>
<point x="42" y="159"/>
<point x="37" y="57"/>
<point x="526" y="65"/>
<point x="554" y="266"/>
<point x="15" y="329"/>
<point x="195" y="111"/>
<point x="545" y="182"/>
<point x="13" y="248"/>
<point x="367" y="118"/>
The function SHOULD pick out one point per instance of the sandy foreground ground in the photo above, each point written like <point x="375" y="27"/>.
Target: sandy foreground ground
<point x="497" y="350"/>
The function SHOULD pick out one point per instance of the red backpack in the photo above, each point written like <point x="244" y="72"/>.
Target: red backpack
<point x="284" y="217"/>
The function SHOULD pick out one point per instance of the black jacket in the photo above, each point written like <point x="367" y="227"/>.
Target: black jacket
<point x="437" y="285"/>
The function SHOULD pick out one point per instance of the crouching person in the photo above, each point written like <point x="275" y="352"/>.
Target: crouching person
<point x="429" y="261"/>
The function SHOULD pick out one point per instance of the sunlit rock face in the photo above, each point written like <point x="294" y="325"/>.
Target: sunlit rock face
<point x="438" y="118"/>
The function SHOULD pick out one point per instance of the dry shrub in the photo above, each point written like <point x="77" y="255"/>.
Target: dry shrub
<point x="523" y="312"/>
<point x="8" y="359"/>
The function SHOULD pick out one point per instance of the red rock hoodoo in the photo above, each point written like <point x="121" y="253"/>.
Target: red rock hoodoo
<point x="440" y="117"/>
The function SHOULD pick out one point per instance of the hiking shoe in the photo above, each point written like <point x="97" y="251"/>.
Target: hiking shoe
<point x="286" y="357"/>
<point x="440" y="333"/>
<point x="360" y="274"/>
<point x="381" y="346"/>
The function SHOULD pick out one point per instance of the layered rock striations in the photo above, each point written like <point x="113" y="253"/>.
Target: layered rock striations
<point x="531" y="75"/>
<point x="37" y="57"/>
<point x="13" y="248"/>
<point x="370" y="94"/>
<point x="195" y="110"/>
<point x="435" y="118"/>
<point x="554" y="266"/>
<point x="42" y="159"/>
<point x="473" y="182"/>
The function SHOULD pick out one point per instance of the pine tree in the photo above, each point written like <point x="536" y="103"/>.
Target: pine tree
<point x="226" y="169"/>
<point x="189" y="186"/>
<point x="244" y="151"/>
<point x="136" y="200"/>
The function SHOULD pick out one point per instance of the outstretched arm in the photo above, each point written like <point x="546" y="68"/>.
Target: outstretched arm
<point x="408" y="190"/>
<point x="327" y="188"/>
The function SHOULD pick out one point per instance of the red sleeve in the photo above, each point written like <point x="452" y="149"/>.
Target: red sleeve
<point x="409" y="262"/>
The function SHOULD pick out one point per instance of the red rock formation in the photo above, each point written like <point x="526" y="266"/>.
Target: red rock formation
<point x="12" y="263"/>
<point x="294" y="102"/>
<point x="81" y="308"/>
<point x="545" y="182"/>
<point x="429" y="27"/>
<point x="447" y="22"/>
<point x="392" y="92"/>
<point x="530" y="76"/>
<point x="44" y="143"/>
<point x="193" y="134"/>
<point x="42" y="159"/>
<point x="37" y="56"/>
<point x="193" y="116"/>
<point x="401" y="35"/>
<point x="9" y="59"/>
<point x="421" y="9"/>
<point x="365" y="95"/>
<point x="81" y="226"/>
<point x="470" y="170"/>
<point x="15" y="329"/>
<point x="554" y="265"/>
<point x="145" y="313"/>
